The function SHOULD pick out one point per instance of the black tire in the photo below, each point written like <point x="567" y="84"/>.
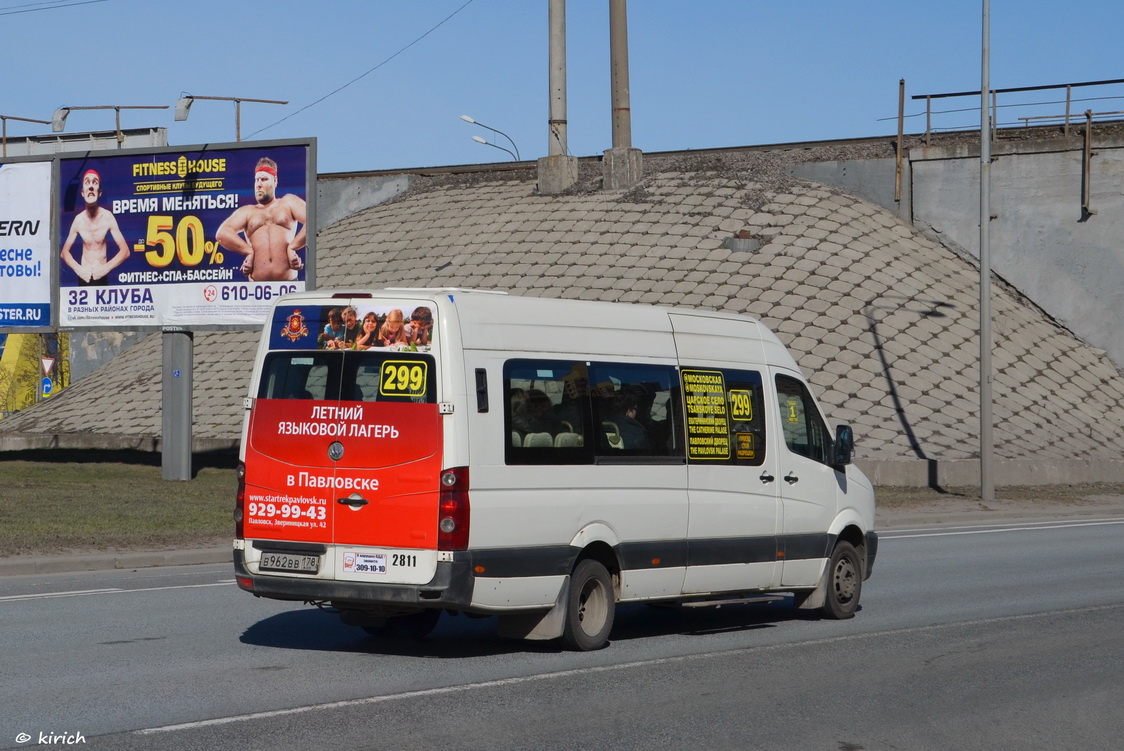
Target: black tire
<point x="590" y="607"/>
<point x="413" y="626"/>
<point x="844" y="582"/>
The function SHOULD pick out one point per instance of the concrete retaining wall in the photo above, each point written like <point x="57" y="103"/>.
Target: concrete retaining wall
<point x="1071" y="264"/>
<point x="340" y="196"/>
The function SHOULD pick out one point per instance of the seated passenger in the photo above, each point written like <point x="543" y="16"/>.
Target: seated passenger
<point x="633" y="434"/>
<point x="538" y="415"/>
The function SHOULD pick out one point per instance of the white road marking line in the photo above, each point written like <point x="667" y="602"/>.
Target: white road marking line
<point x="982" y="530"/>
<point x="114" y="591"/>
<point x="595" y="669"/>
<point x="45" y="595"/>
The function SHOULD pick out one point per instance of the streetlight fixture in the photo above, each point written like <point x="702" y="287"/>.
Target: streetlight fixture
<point x="183" y="106"/>
<point x="485" y="141"/>
<point x="478" y="139"/>
<point x="6" y="118"/>
<point x="58" y="122"/>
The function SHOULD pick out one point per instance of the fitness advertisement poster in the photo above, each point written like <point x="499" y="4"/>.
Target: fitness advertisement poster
<point x="207" y="237"/>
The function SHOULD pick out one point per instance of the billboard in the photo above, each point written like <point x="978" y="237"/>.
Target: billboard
<point x="199" y="237"/>
<point x="25" y="246"/>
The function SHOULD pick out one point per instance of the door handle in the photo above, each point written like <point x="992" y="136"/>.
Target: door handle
<point x="354" y="500"/>
<point x="767" y="478"/>
<point x="791" y="479"/>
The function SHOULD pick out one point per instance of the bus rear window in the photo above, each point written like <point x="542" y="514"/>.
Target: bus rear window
<point x="348" y="375"/>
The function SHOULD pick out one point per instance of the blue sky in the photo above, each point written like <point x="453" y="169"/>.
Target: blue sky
<point x="704" y="73"/>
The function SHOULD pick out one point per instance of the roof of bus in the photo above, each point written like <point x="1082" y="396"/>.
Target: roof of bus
<point x="515" y="323"/>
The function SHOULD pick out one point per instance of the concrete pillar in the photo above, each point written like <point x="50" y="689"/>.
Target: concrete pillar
<point x="623" y="165"/>
<point x="176" y="406"/>
<point x="559" y="170"/>
<point x="621" y="168"/>
<point x="557" y="174"/>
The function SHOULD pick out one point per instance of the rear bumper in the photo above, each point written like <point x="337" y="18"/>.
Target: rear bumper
<point x="450" y="588"/>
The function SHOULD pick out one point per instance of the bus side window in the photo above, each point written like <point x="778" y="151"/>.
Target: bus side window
<point x="546" y="412"/>
<point x="632" y="404"/>
<point x="804" y="430"/>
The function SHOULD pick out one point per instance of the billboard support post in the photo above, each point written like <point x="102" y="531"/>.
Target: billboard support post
<point x="176" y="406"/>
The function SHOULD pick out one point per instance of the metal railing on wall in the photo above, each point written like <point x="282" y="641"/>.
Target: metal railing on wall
<point x="1007" y="102"/>
<point x="1065" y="119"/>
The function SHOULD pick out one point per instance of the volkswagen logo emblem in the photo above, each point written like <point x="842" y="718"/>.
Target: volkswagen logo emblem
<point x="335" y="451"/>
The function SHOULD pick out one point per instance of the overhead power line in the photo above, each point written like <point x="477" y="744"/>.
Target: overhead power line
<point x="367" y="73"/>
<point x="46" y="5"/>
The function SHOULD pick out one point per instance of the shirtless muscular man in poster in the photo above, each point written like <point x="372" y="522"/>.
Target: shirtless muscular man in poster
<point x="267" y="233"/>
<point x="94" y="225"/>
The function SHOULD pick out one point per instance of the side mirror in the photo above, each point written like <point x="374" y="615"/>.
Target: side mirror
<point x="844" y="445"/>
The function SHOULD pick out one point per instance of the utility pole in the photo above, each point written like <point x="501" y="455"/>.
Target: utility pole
<point x="623" y="165"/>
<point x="557" y="171"/>
<point x="987" y="442"/>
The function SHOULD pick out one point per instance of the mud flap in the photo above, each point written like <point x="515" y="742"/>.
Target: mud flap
<point x="538" y="626"/>
<point x="813" y="599"/>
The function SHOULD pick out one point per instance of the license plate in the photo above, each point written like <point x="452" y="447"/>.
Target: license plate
<point x="303" y="564"/>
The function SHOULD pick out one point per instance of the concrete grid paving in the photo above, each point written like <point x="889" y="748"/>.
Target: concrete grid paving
<point x="882" y="319"/>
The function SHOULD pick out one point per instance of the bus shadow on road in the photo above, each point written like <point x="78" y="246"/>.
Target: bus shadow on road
<point x="456" y="636"/>
<point x="646" y="621"/>
<point x="459" y="636"/>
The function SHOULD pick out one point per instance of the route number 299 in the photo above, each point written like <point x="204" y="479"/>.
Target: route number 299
<point x="400" y="378"/>
<point x="741" y="404"/>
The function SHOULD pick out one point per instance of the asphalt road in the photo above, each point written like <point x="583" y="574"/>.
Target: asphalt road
<point x="1001" y="637"/>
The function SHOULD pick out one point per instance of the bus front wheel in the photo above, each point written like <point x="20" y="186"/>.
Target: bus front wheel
<point x="844" y="582"/>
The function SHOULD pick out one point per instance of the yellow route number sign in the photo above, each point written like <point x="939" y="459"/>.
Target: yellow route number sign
<point x="403" y="378"/>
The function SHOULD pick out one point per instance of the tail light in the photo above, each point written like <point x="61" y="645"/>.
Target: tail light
<point x="240" y="501"/>
<point x="452" y="517"/>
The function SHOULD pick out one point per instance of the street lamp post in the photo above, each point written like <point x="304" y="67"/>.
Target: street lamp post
<point x="58" y="122"/>
<point x="6" y="118"/>
<point x="478" y="139"/>
<point x="183" y="106"/>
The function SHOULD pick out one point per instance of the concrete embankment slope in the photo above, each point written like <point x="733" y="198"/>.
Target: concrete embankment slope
<point x="882" y="318"/>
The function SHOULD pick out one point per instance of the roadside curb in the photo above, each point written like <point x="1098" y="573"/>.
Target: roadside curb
<point x="44" y="564"/>
<point x="973" y="512"/>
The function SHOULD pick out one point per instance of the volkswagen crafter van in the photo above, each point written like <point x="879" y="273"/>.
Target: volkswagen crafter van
<point x="408" y="452"/>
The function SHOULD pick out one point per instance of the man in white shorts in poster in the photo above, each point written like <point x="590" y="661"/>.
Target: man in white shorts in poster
<point x="94" y="225"/>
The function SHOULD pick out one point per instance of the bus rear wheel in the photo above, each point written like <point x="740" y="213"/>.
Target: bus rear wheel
<point x="590" y="607"/>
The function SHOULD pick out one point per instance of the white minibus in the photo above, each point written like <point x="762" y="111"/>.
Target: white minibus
<point x="409" y="452"/>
